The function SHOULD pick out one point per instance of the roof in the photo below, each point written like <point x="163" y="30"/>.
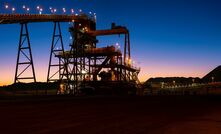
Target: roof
<point x="213" y="76"/>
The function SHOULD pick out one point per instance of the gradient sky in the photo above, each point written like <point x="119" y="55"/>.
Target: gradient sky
<point x="168" y="37"/>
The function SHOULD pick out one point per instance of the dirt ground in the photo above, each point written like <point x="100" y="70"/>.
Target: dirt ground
<point x="111" y="115"/>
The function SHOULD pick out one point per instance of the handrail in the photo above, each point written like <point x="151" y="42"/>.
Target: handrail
<point x="29" y="18"/>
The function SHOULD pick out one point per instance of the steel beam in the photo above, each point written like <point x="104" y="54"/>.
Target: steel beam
<point x="57" y="46"/>
<point x="24" y="57"/>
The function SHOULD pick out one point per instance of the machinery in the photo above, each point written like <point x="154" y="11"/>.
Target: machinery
<point x="85" y="65"/>
<point x="24" y="58"/>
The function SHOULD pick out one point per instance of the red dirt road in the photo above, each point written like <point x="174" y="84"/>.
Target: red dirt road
<point x="111" y="115"/>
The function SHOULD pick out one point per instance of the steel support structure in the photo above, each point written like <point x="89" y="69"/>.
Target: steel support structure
<point x="55" y="69"/>
<point x="127" y="56"/>
<point x="86" y="63"/>
<point x="24" y="65"/>
<point x="79" y="63"/>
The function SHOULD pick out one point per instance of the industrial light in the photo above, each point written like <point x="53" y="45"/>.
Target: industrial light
<point x="129" y="61"/>
<point x="28" y="9"/>
<point x="6" y="6"/>
<point x="83" y="72"/>
<point x="85" y="28"/>
<point x="40" y="9"/>
<point x="117" y="46"/>
<point x="126" y="59"/>
<point x="95" y="16"/>
<point x="64" y="10"/>
<point x="13" y="9"/>
<point x="72" y="11"/>
<point x="23" y="7"/>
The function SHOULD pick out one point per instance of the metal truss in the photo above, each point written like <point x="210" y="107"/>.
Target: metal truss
<point x="24" y="58"/>
<point x="56" y="66"/>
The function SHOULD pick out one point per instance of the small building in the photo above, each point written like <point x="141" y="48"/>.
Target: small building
<point x="213" y="76"/>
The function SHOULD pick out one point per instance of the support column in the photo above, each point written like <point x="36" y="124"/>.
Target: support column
<point x="125" y="49"/>
<point x="57" y="46"/>
<point x="24" y="65"/>
<point x="128" y="43"/>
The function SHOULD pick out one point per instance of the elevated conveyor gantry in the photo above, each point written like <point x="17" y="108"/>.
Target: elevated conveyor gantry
<point x="24" y="49"/>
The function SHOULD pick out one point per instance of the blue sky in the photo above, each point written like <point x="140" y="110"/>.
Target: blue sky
<point x="168" y="37"/>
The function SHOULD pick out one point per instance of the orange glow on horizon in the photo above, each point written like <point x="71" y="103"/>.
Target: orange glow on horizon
<point x="143" y="76"/>
<point x="172" y="71"/>
<point x="150" y="71"/>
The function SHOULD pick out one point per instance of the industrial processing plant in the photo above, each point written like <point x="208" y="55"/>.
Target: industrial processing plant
<point x="84" y="65"/>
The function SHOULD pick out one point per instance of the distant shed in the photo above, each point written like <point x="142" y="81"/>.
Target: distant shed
<point x="213" y="76"/>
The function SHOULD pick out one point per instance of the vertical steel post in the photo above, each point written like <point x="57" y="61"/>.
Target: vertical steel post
<point x="57" y="37"/>
<point x="27" y="56"/>
<point x="125" y="49"/>
<point x="128" y="39"/>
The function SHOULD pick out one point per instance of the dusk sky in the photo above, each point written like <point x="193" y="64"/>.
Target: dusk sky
<point x="168" y="37"/>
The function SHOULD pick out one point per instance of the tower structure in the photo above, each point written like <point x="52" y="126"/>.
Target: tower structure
<point x="88" y="64"/>
<point x="24" y="66"/>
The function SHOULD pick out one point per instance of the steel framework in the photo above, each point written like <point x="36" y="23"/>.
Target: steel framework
<point x="30" y="18"/>
<point x="24" y="58"/>
<point x="57" y="46"/>
<point x="85" y="63"/>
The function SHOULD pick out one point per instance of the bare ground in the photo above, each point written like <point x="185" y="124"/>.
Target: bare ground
<point x="111" y="115"/>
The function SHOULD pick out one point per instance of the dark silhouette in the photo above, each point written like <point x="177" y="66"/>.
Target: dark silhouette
<point x="213" y="76"/>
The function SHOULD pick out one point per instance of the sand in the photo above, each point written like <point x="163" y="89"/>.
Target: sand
<point x="111" y="115"/>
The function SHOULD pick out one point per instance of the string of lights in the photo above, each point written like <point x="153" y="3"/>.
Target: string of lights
<point x="25" y="9"/>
